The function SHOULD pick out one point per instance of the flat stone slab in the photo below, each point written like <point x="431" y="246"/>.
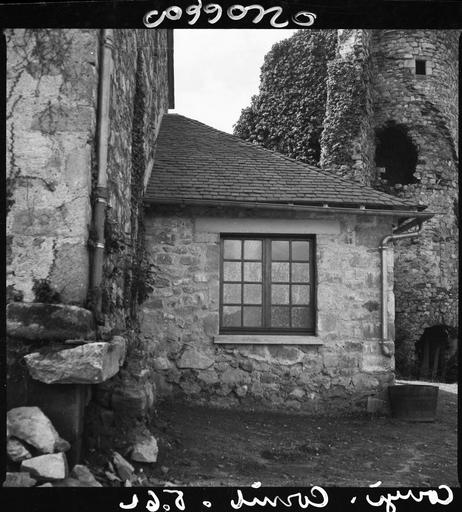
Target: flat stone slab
<point x="32" y="426"/>
<point x="36" y="321"/>
<point x="90" y="363"/>
<point x="51" y="466"/>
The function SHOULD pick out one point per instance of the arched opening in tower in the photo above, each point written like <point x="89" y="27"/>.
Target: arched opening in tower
<point x="437" y="353"/>
<point x="396" y="154"/>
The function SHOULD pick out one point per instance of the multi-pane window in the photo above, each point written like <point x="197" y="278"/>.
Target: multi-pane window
<point x="267" y="284"/>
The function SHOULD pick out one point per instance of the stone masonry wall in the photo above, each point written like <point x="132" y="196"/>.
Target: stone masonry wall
<point x="51" y="115"/>
<point x="426" y="269"/>
<point x="139" y="98"/>
<point x="53" y="78"/>
<point x="180" y="317"/>
<point x="372" y="84"/>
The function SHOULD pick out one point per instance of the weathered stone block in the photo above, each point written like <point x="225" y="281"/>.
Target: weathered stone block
<point x="132" y="399"/>
<point x="32" y="426"/>
<point x="209" y="377"/>
<point x="49" y="322"/>
<point x="364" y="381"/>
<point x="190" y="387"/>
<point x="69" y="271"/>
<point x="84" y="476"/>
<point x="192" y="358"/>
<point x="297" y="394"/>
<point x="20" y="479"/>
<point x="210" y="323"/>
<point x="64" y="405"/>
<point x="234" y="376"/>
<point x="124" y="469"/>
<point x="145" y="450"/>
<point x="161" y="363"/>
<point x="285" y="355"/>
<point x="46" y="467"/>
<point x="91" y="363"/>
<point x="16" y="450"/>
<point x="241" y="391"/>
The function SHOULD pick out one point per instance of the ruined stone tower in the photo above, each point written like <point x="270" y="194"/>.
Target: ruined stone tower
<point x="391" y="122"/>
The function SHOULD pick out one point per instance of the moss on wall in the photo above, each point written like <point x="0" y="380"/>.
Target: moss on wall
<point x="288" y="112"/>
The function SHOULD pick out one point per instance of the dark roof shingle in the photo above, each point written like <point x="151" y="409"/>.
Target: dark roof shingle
<point x="196" y="162"/>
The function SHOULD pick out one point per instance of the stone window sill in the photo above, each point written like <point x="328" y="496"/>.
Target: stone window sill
<point x="266" y="339"/>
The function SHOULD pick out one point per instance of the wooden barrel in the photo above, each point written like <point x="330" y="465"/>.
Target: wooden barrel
<point x="413" y="402"/>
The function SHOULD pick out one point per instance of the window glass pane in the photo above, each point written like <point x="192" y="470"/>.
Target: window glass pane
<point x="280" y="317"/>
<point x="301" y="317"/>
<point x="252" y="249"/>
<point x="300" y="294"/>
<point x="252" y="293"/>
<point x="231" y="271"/>
<point x="280" y="294"/>
<point x="232" y="316"/>
<point x="252" y="271"/>
<point x="301" y="251"/>
<point x="280" y="272"/>
<point x="232" y="249"/>
<point x="279" y="250"/>
<point x="301" y="272"/>
<point x="252" y="316"/>
<point x="231" y="293"/>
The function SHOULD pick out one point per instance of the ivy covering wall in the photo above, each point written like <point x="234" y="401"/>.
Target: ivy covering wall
<point x="287" y="114"/>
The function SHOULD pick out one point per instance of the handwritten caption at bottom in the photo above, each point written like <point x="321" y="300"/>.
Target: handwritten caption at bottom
<point x="317" y="497"/>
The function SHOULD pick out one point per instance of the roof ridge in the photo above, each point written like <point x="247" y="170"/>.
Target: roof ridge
<point x="325" y="172"/>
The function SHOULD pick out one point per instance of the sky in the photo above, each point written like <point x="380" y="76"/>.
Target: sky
<point x="217" y="71"/>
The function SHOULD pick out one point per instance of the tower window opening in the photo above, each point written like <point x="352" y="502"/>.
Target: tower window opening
<point x="396" y="155"/>
<point x="420" y="67"/>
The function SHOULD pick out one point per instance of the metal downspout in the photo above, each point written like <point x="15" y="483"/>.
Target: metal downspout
<point x="383" y="247"/>
<point x="101" y="193"/>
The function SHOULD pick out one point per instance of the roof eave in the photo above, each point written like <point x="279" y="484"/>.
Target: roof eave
<point x="359" y="210"/>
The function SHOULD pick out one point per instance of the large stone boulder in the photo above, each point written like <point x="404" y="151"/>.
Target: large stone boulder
<point x="37" y="321"/>
<point x="51" y="466"/>
<point x="90" y="363"/>
<point x="32" y="426"/>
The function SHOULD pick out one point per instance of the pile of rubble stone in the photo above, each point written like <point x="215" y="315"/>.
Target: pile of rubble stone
<point x="37" y="457"/>
<point x="36" y="450"/>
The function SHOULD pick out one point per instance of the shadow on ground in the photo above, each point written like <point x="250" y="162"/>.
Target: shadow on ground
<point x="212" y="447"/>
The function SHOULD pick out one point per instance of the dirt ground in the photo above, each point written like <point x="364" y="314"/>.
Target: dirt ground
<point x="201" y="446"/>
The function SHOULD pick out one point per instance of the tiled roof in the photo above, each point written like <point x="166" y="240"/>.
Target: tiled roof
<point x="196" y="162"/>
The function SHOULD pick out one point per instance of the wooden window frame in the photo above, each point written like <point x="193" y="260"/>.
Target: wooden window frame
<point x="266" y="284"/>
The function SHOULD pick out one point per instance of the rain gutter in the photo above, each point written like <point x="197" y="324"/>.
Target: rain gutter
<point x="397" y="235"/>
<point x="101" y="191"/>
<point x="357" y="210"/>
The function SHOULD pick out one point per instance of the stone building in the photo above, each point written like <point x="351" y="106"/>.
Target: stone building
<point x="397" y="130"/>
<point x="151" y="256"/>
<point x="83" y="112"/>
<point x="384" y="113"/>
<point x="271" y="279"/>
